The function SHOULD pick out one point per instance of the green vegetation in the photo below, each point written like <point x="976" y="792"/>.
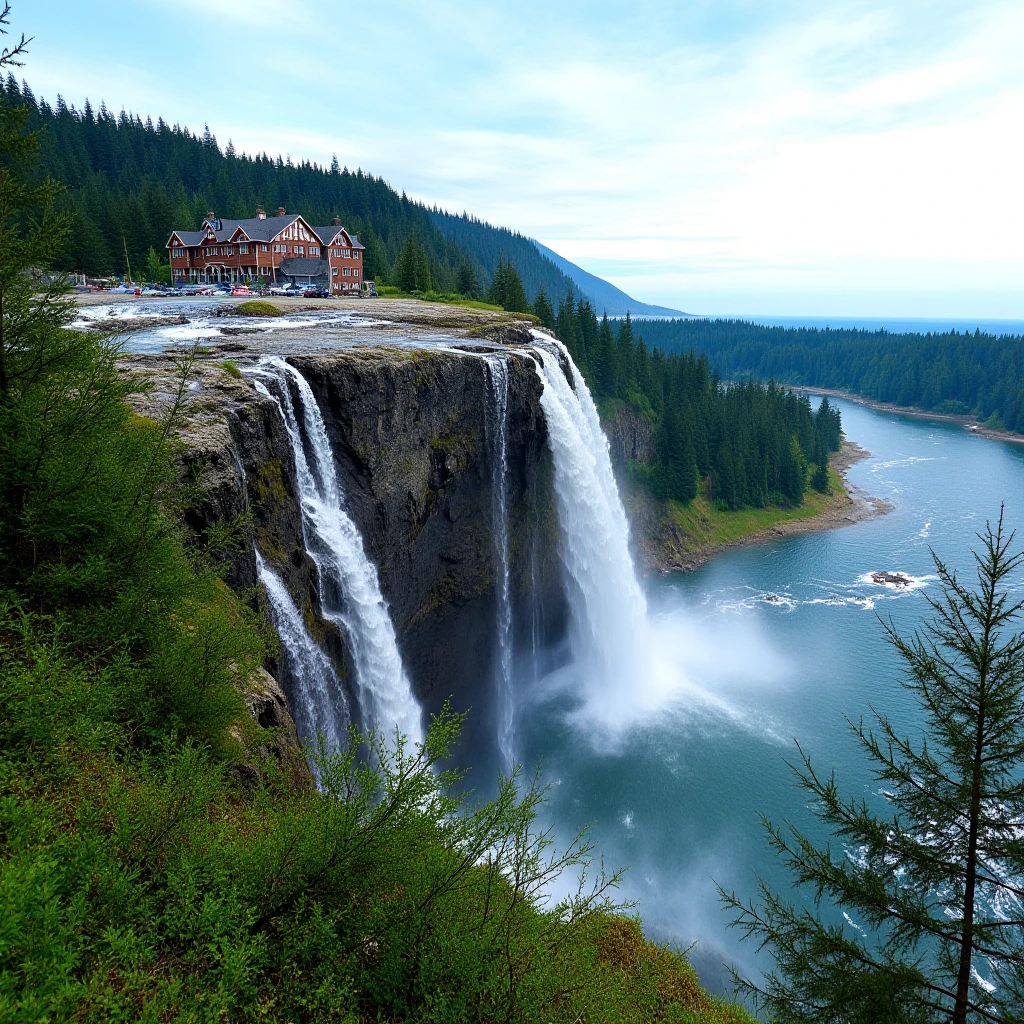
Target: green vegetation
<point x="156" y="862"/>
<point x="230" y="367"/>
<point x="707" y="525"/>
<point x="978" y="375"/>
<point x="257" y="307"/>
<point x="928" y="868"/>
<point x="747" y="445"/>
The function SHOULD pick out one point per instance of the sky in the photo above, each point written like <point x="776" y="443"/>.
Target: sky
<point x="723" y="156"/>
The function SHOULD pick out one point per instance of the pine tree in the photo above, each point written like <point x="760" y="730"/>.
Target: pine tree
<point x="931" y="889"/>
<point x="466" y="282"/>
<point x="543" y="309"/>
<point x="820" y="481"/>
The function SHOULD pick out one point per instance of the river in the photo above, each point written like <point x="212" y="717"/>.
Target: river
<point x="761" y="646"/>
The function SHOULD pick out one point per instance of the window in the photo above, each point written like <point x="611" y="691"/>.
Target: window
<point x="244" y="247"/>
<point x="280" y="248"/>
<point x="264" y="248"/>
<point x="346" y="252"/>
<point x="344" y="272"/>
<point x="300" y="250"/>
<point x="334" y="270"/>
<point x="355" y="271"/>
<point x="178" y="253"/>
<point x="355" y="254"/>
<point x="314" y="250"/>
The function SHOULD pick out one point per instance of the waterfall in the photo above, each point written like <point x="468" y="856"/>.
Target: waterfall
<point x="317" y="696"/>
<point x="608" y="608"/>
<point x="350" y="595"/>
<point x="496" y="420"/>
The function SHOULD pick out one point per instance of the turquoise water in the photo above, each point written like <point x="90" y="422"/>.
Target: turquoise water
<point x="766" y="644"/>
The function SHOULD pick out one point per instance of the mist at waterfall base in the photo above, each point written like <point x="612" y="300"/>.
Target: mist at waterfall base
<point x="672" y="761"/>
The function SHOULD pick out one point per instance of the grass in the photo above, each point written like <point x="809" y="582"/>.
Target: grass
<point x="445" y="299"/>
<point x="708" y="526"/>
<point x="231" y="368"/>
<point x="258" y="307"/>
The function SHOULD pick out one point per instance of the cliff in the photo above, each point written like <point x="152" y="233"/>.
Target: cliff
<point x="409" y="431"/>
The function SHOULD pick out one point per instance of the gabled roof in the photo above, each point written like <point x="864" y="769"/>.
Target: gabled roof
<point x="328" y="234"/>
<point x="188" y="237"/>
<point x="257" y="229"/>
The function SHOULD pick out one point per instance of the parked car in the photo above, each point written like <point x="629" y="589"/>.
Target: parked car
<point x="240" y="289"/>
<point x="283" y="289"/>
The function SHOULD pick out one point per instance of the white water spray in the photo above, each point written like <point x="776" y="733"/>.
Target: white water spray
<point x="321" y="709"/>
<point x="609" y="611"/>
<point x="496" y="422"/>
<point x="350" y="594"/>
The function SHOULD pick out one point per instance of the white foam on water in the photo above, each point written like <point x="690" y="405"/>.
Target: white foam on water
<point x="631" y="668"/>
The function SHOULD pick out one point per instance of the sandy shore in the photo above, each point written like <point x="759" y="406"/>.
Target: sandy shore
<point x="969" y="423"/>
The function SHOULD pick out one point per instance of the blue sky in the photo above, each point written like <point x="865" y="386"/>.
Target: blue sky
<point x="846" y="158"/>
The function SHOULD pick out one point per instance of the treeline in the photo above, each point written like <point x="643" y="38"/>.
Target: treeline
<point x="749" y="444"/>
<point x="129" y="182"/>
<point x="979" y="375"/>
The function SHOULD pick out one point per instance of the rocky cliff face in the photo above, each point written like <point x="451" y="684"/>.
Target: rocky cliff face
<point x="409" y="430"/>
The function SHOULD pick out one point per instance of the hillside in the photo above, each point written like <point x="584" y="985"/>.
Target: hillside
<point x="129" y="182"/>
<point x="604" y="297"/>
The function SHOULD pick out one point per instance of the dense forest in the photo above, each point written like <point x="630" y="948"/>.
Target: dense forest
<point x="129" y="182"/>
<point x="749" y="444"/>
<point x="979" y="375"/>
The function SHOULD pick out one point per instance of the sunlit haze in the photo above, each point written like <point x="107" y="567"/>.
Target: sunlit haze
<point x="851" y="158"/>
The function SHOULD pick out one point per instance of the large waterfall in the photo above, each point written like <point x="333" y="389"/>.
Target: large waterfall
<point x="350" y="595"/>
<point x="609" y="611"/>
<point x="496" y="420"/>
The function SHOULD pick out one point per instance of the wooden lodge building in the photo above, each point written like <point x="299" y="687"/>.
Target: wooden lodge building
<point x="280" y="250"/>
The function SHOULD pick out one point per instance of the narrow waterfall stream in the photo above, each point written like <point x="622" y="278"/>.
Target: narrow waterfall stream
<point x="350" y="595"/>
<point x="319" y="704"/>
<point x="496" y="420"/>
<point x="609" y="611"/>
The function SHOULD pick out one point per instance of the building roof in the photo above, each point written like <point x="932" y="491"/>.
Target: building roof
<point x="304" y="266"/>
<point x="189" y="237"/>
<point x="329" y="233"/>
<point x="259" y="229"/>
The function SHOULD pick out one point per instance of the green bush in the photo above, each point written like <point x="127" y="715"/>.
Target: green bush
<point x="257" y="307"/>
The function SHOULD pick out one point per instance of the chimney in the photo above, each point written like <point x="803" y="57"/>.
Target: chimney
<point x="280" y="211"/>
<point x="261" y="214"/>
<point x="337" y="222"/>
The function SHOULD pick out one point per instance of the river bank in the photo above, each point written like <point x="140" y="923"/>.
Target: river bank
<point x="969" y="423"/>
<point x="673" y="538"/>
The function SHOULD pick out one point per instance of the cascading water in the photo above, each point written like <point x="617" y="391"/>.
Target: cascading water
<point x="350" y="595"/>
<point x="609" y="611"/>
<point x="497" y="439"/>
<point x="320" y="708"/>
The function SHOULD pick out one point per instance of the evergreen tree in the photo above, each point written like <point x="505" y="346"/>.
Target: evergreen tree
<point x="931" y="889"/>
<point x="466" y="282"/>
<point x="156" y="270"/>
<point x="820" y="480"/>
<point x="507" y="288"/>
<point x="543" y="309"/>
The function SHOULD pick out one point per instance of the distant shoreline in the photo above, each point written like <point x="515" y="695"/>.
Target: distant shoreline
<point x="970" y="425"/>
<point x="668" y="546"/>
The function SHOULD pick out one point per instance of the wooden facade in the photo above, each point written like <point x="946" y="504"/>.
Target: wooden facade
<point x="255" y="249"/>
